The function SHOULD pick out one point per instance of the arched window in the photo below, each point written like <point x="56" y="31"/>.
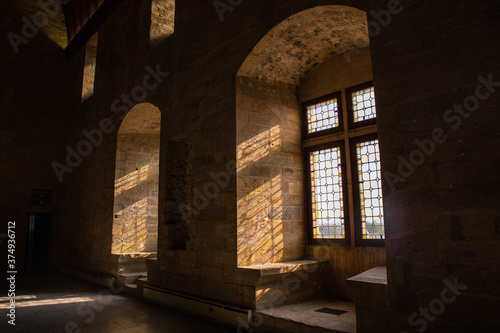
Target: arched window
<point x="89" y="67"/>
<point x="162" y="20"/>
<point x="135" y="224"/>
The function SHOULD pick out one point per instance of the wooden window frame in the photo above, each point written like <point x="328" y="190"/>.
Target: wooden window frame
<point x="350" y="109"/>
<point x="356" y="193"/>
<point x="305" y="129"/>
<point x="345" y="136"/>
<point x="345" y="195"/>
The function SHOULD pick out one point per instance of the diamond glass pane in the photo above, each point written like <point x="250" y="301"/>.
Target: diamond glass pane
<point x="370" y="190"/>
<point x="363" y="104"/>
<point x="322" y="116"/>
<point x="326" y="194"/>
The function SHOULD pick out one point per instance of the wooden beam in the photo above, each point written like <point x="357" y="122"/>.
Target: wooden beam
<point x="91" y="26"/>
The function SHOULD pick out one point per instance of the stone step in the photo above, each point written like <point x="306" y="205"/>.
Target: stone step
<point x="130" y="263"/>
<point x="130" y="278"/>
<point x="336" y="316"/>
<point x="142" y="281"/>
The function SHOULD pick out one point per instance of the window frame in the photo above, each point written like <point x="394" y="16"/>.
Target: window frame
<point x="356" y="193"/>
<point x="345" y="136"/>
<point x="338" y="129"/>
<point x="345" y="194"/>
<point x="350" y="108"/>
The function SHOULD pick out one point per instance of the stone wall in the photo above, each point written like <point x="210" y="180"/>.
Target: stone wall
<point x="270" y="173"/>
<point x="135" y="225"/>
<point x="33" y="125"/>
<point x="441" y="216"/>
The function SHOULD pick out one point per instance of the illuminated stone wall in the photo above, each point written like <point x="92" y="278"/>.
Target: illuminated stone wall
<point x="135" y="216"/>
<point x="270" y="173"/>
<point x="135" y="224"/>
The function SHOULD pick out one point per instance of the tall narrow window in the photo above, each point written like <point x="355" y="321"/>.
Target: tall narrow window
<point x="368" y="188"/>
<point x="327" y="192"/>
<point x="343" y="167"/>
<point x="89" y="69"/>
<point x="162" y="21"/>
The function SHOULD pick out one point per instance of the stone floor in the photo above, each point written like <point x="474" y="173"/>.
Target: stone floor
<point x="303" y="317"/>
<point x="55" y="303"/>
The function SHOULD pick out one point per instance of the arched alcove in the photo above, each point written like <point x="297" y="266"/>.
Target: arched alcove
<point x="135" y="224"/>
<point x="272" y="215"/>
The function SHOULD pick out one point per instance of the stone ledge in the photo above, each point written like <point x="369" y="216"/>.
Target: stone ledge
<point x="371" y="295"/>
<point x="135" y="255"/>
<point x="377" y="275"/>
<point x="369" y="288"/>
<point x="279" y="268"/>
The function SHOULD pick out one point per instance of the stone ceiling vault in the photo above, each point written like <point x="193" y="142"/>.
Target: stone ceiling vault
<point x="292" y="49"/>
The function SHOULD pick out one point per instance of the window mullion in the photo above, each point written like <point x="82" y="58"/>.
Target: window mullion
<point x="348" y="177"/>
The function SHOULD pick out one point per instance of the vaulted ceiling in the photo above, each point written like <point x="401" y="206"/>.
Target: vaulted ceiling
<point x="292" y="49"/>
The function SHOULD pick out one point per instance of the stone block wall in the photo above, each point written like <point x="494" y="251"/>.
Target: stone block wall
<point x="270" y="167"/>
<point x="442" y="213"/>
<point x="135" y="225"/>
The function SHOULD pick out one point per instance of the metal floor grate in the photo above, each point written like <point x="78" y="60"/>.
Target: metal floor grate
<point x="331" y="311"/>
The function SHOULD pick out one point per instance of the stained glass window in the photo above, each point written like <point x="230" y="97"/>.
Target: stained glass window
<point x="322" y="116"/>
<point x="370" y="190"/>
<point x="326" y="194"/>
<point x="363" y="104"/>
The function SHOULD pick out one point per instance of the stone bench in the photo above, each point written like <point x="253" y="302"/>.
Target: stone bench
<point x="284" y="283"/>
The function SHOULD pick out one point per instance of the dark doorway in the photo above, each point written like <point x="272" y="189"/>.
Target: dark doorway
<point x="38" y="242"/>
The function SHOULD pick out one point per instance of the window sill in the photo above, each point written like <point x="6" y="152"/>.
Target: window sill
<point x="255" y="274"/>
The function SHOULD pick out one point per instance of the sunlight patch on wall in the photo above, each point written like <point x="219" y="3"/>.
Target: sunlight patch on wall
<point x="257" y="147"/>
<point x="131" y="180"/>
<point x="131" y="235"/>
<point x="260" y="223"/>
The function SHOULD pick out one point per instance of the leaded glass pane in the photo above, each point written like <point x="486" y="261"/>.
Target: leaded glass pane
<point x="327" y="196"/>
<point x="363" y="104"/>
<point x="370" y="190"/>
<point x="322" y="116"/>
